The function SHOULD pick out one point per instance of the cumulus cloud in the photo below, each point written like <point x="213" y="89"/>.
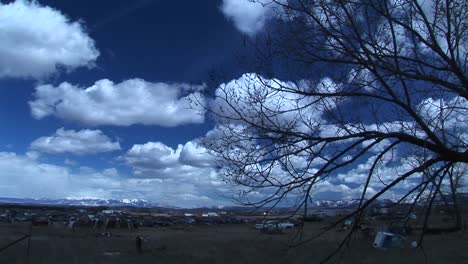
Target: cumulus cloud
<point x="188" y="167"/>
<point x="250" y="101"/>
<point x="156" y="160"/>
<point x="23" y="175"/>
<point x="447" y="115"/>
<point x="186" y="173"/>
<point x="195" y="155"/>
<point x="251" y="97"/>
<point x="36" y="40"/>
<point x="133" y="101"/>
<point x="84" y="141"/>
<point x="152" y="156"/>
<point x="27" y="176"/>
<point x="248" y="17"/>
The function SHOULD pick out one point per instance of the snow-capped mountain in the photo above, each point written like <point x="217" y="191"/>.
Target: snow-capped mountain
<point x="141" y="203"/>
<point x="351" y="203"/>
<point x="336" y="203"/>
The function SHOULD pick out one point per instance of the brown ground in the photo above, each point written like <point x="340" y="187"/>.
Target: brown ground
<point x="211" y="244"/>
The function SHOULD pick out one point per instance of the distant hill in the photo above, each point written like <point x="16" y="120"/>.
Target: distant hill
<point x="138" y="203"/>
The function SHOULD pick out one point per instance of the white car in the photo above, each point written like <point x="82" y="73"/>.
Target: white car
<point x="274" y="225"/>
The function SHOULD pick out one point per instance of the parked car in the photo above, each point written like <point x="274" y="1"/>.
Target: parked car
<point x="274" y="226"/>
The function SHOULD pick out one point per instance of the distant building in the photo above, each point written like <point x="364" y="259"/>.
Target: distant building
<point x="210" y="214"/>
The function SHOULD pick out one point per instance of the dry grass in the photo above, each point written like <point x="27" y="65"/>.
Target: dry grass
<point x="212" y="244"/>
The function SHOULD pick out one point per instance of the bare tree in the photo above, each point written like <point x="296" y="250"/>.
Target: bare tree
<point x="376" y="94"/>
<point x="455" y="184"/>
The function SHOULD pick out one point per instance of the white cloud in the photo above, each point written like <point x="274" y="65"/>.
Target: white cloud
<point x="248" y="17"/>
<point x="70" y="162"/>
<point x="36" y="40"/>
<point x="186" y="173"/>
<point x="156" y="160"/>
<point x="26" y="176"/>
<point x="250" y="94"/>
<point x="152" y="156"/>
<point x="195" y="155"/>
<point x="251" y="97"/>
<point x="133" y="101"/>
<point x="243" y="104"/>
<point x="447" y="115"/>
<point x="77" y="142"/>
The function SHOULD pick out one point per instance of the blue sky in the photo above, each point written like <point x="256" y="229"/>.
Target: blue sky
<point x="55" y="50"/>
<point x="156" y="41"/>
<point x="98" y="97"/>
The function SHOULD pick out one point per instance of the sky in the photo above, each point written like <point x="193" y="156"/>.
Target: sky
<point x="103" y="99"/>
<point x="96" y="96"/>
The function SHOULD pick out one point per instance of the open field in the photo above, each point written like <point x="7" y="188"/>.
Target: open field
<point x="232" y="243"/>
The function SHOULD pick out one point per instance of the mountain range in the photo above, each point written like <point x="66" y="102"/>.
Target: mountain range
<point x="138" y="203"/>
<point x="141" y="203"/>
